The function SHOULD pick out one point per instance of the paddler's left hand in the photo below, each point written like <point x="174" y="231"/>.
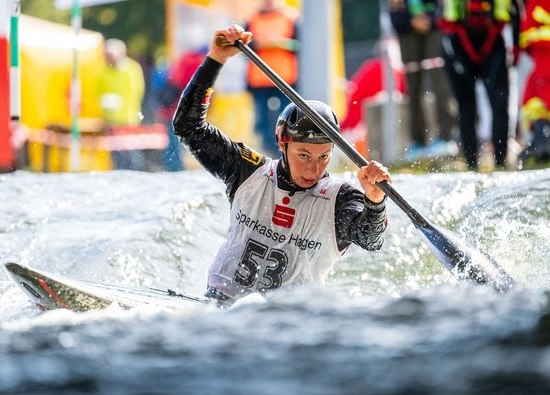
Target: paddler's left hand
<point x="369" y="175"/>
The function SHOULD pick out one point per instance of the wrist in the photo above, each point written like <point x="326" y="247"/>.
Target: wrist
<point x="372" y="204"/>
<point x="217" y="57"/>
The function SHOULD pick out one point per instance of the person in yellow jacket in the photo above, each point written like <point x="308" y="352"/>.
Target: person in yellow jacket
<point x="275" y="40"/>
<point x="121" y="88"/>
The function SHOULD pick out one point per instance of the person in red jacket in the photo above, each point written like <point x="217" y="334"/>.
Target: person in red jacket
<point x="534" y="39"/>
<point x="366" y="84"/>
<point x="167" y="83"/>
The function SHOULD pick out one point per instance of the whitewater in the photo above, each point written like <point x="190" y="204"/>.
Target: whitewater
<point x="393" y="321"/>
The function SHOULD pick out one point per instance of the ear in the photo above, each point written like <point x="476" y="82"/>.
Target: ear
<point x="281" y="146"/>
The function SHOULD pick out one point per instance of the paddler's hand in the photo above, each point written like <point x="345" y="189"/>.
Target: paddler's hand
<point x="368" y="176"/>
<point x="222" y="48"/>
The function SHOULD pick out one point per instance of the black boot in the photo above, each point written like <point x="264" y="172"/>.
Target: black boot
<point x="539" y="145"/>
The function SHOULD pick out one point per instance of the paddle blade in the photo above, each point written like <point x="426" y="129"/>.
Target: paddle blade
<point x="463" y="261"/>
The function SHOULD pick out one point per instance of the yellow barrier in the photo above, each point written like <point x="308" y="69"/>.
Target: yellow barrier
<point x="50" y="149"/>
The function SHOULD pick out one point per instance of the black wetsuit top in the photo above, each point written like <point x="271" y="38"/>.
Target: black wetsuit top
<point x="358" y="220"/>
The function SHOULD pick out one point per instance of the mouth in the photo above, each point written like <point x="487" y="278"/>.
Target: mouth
<point x="309" y="181"/>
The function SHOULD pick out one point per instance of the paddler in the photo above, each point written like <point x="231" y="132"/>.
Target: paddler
<point x="290" y="220"/>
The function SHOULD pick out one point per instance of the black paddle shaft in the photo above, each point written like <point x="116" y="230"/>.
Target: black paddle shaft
<point x="457" y="256"/>
<point x="330" y="131"/>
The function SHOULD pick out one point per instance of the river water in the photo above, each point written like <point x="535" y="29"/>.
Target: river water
<point x="387" y="322"/>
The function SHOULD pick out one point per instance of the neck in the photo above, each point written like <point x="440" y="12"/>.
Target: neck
<point x="284" y="179"/>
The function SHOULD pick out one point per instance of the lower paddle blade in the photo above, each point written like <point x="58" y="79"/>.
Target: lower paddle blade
<point x="463" y="261"/>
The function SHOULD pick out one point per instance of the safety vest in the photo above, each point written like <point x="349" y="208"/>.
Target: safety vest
<point x="283" y="61"/>
<point x="461" y="16"/>
<point x="464" y="10"/>
<point x="535" y="29"/>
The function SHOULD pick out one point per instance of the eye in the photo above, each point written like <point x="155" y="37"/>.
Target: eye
<point x="324" y="157"/>
<point x="303" y="156"/>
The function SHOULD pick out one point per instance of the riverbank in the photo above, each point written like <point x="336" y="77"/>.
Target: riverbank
<point x="446" y="164"/>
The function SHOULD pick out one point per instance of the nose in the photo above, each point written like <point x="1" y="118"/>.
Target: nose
<point x="313" y="167"/>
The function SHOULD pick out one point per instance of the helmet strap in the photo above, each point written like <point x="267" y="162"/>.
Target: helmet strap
<point x="286" y="165"/>
<point x="285" y="157"/>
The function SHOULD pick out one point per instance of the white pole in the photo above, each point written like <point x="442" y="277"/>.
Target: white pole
<point x="314" y="55"/>
<point x="389" y="111"/>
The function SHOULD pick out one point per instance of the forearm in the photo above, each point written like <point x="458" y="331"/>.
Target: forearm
<point x="359" y="220"/>
<point x="368" y="230"/>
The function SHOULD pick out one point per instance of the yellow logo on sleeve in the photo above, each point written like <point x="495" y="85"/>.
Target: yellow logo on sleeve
<point x="250" y="155"/>
<point x="207" y="96"/>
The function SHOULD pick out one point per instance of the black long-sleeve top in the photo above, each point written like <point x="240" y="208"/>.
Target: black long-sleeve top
<point x="358" y="220"/>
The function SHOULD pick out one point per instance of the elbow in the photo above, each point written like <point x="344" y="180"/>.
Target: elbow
<point x="376" y="244"/>
<point x="179" y="121"/>
<point x="176" y="124"/>
<point x="379" y="245"/>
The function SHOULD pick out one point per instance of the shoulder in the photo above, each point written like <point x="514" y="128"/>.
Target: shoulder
<point x="291" y="13"/>
<point x="349" y="192"/>
<point x="132" y="66"/>
<point x="248" y="162"/>
<point x="250" y="156"/>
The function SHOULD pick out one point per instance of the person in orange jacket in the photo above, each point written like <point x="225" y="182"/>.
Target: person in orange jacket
<point x="275" y="40"/>
<point x="534" y="39"/>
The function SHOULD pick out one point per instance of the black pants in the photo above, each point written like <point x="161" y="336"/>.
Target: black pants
<point x="463" y="74"/>
<point x="420" y="54"/>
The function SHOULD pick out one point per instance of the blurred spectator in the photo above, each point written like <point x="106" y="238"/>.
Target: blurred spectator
<point x="366" y="84"/>
<point x="168" y="82"/>
<point x="121" y="87"/>
<point x="420" y="43"/>
<point x="535" y="41"/>
<point x="275" y="40"/>
<point x="474" y="49"/>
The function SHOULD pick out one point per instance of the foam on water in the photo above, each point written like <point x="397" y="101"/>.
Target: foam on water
<point x="388" y="322"/>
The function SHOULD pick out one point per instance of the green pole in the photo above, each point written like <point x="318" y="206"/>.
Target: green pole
<point x="15" y="80"/>
<point x="76" y="22"/>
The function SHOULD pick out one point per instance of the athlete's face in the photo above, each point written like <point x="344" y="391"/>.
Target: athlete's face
<point x="308" y="162"/>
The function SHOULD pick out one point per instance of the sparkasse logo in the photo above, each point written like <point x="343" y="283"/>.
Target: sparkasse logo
<point x="283" y="215"/>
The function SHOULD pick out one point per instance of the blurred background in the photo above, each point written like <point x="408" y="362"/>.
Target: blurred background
<point x="61" y="46"/>
<point x="58" y="97"/>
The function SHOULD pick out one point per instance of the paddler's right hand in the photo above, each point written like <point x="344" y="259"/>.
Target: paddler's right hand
<point x="222" y="48"/>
